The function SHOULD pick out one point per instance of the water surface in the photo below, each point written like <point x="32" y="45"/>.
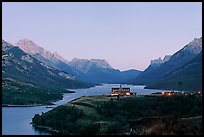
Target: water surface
<point x="16" y="120"/>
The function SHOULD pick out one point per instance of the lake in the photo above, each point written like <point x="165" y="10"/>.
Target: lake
<point x="16" y="120"/>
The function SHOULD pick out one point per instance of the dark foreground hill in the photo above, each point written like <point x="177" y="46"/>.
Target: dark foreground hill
<point x="102" y="115"/>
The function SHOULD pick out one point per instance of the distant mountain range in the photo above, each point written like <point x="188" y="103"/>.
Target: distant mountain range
<point x="99" y="71"/>
<point x="171" y="72"/>
<point x="181" y="71"/>
<point x="27" y="81"/>
<point x="85" y="65"/>
<point x="92" y="71"/>
<point x="45" y="56"/>
<point x="187" y="77"/>
<point x="159" y="61"/>
<point x="20" y="66"/>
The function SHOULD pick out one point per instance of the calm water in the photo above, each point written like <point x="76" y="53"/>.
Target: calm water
<point x="16" y="120"/>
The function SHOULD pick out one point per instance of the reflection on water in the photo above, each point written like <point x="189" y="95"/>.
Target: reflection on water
<point x="40" y="131"/>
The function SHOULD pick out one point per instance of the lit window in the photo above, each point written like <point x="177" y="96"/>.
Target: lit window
<point x="169" y="94"/>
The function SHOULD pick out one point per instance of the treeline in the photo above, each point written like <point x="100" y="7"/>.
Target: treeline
<point x="112" y="115"/>
<point x="22" y="94"/>
<point x="182" y="106"/>
<point x="62" y="118"/>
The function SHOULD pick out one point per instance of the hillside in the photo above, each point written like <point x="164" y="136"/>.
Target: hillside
<point x="45" y="56"/>
<point x="155" y="71"/>
<point x="100" y="71"/>
<point x="91" y="71"/>
<point x="101" y="115"/>
<point x="24" y="78"/>
<point x="186" y="77"/>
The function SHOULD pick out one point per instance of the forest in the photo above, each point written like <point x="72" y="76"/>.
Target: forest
<point x="17" y="93"/>
<point x="102" y="115"/>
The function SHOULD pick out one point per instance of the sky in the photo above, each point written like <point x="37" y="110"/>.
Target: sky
<point x="127" y="35"/>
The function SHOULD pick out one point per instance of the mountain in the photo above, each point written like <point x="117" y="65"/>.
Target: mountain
<point x="96" y="70"/>
<point x="159" y="68"/>
<point x="33" y="49"/>
<point x="186" y="77"/>
<point x="17" y="64"/>
<point x="92" y="71"/>
<point x="85" y="65"/>
<point x="159" y="61"/>
<point x="48" y="58"/>
<point x="149" y="73"/>
<point x="100" y="71"/>
<point x="25" y="80"/>
<point x="129" y="74"/>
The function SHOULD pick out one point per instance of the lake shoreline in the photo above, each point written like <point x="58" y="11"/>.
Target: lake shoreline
<point x="90" y="108"/>
<point x="46" y="128"/>
<point x="37" y="105"/>
<point x="23" y="122"/>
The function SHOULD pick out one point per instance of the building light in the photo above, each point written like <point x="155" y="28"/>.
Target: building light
<point x="162" y="93"/>
<point x="128" y="93"/>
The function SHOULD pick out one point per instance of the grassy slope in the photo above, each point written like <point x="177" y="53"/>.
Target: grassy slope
<point x="103" y="115"/>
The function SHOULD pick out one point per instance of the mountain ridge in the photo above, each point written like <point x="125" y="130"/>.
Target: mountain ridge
<point x="187" y="77"/>
<point x="87" y="70"/>
<point x="182" y="56"/>
<point x="24" y="63"/>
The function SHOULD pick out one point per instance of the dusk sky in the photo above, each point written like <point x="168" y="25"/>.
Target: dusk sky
<point x="126" y="35"/>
